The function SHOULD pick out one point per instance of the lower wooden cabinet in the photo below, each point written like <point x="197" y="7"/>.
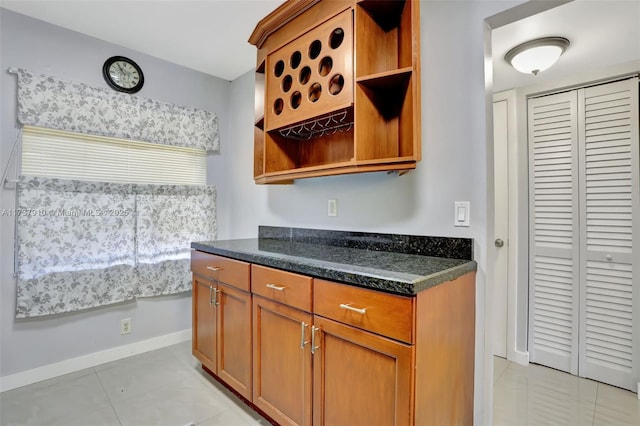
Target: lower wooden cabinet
<point x="357" y="357"/>
<point x="204" y="323"/>
<point x="282" y="362"/>
<point x="234" y="338"/>
<point x="360" y="378"/>
<point x="222" y="322"/>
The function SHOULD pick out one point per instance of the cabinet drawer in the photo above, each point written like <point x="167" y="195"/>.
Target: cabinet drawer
<point x="284" y="287"/>
<point x="228" y="271"/>
<point x="382" y="313"/>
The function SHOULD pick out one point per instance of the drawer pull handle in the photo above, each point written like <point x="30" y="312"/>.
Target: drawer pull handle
<point x="348" y="307"/>
<point x="276" y="287"/>
<point x="213" y="268"/>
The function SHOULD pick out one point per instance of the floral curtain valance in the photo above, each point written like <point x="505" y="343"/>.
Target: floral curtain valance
<point x="87" y="244"/>
<point x="47" y="101"/>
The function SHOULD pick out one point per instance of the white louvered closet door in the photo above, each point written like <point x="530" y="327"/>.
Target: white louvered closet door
<point x="609" y="236"/>
<point x="554" y="232"/>
<point x="584" y="167"/>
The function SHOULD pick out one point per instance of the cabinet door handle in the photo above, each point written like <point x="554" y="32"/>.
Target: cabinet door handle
<point x="348" y="307"/>
<point x="213" y="268"/>
<point x="303" y="342"/>
<point x="210" y="295"/>
<point x="314" y="348"/>
<point x="216" y="302"/>
<point x="276" y="287"/>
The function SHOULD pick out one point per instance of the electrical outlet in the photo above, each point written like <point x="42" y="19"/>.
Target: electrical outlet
<point x="125" y="326"/>
<point x="332" y="207"/>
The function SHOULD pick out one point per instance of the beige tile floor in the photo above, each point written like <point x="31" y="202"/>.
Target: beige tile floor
<point x="162" y="387"/>
<point x="168" y="387"/>
<point x="536" y="396"/>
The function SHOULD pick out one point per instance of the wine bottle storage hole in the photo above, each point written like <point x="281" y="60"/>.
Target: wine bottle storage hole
<point x="305" y="75"/>
<point x="336" y="38"/>
<point x="287" y="81"/>
<point x="314" y="92"/>
<point x="296" y="58"/>
<point x="296" y="98"/>
<point x="315" y="49"/>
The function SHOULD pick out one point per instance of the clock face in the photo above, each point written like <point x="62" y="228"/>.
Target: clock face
<point x="123" y="74"/>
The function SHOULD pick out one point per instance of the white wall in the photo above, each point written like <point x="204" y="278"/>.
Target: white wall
<point x="454" y="165"/>
<point x="41" y="47"/>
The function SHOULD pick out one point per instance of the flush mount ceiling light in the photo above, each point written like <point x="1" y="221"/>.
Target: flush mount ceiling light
<point x="536" y="55"/>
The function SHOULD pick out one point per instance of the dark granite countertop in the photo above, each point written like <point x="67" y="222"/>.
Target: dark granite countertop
<point x="372" y="267"/>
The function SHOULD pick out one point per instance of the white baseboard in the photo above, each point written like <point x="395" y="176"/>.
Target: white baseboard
<point x="67" y="366"/>
<point x="521" y="358"/>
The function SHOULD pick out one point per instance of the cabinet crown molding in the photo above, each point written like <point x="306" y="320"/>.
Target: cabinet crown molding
<point x="277" y="19"/>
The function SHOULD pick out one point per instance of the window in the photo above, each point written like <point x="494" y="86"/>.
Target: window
<point x="105" y="220"/>
<point x="102" y="220"/>
<point x="68" y="155"/>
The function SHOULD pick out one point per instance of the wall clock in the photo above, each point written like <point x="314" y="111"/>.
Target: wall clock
<point x="123" y="74"/>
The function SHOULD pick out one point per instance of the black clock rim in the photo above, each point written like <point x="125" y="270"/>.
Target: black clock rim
<point x="112" y="84"/>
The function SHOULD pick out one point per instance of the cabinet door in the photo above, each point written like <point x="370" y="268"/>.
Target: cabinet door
<point x="204" y="323"/>
<point x="234" y="338"/>
<point x="282" y="362"/>
<point x="360" y="378"/>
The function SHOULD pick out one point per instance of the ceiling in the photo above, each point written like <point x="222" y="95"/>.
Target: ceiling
<point x="206" y="35"/>
<point x="602" y="33"/>
<point x="211" y="35"/>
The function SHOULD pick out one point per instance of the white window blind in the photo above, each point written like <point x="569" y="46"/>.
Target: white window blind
<point x="69" y="155"/>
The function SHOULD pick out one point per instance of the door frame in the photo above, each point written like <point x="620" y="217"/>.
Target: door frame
<point x="509" y="16"/>
<point x="511" y="239"/>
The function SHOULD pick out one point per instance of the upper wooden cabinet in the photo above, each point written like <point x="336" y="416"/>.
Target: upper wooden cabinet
<point x="337" y="89"/>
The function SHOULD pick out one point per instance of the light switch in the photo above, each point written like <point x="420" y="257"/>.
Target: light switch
<point x="461" y="213"/>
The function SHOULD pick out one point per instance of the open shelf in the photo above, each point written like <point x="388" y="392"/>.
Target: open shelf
<point x="329" y="124"/>
<point x="384" y="38"/>
<point x="385" y="117"/>
<point x="386" y="13"/>
<point x="387" y="95"/>
<point x="284" y="153"/>
<point x="260" y="67"/>
<point x="350" y="167"/>
<point x="260" y="123"/>
<point x="259" y="100"/>
<point x="386" y="80"/>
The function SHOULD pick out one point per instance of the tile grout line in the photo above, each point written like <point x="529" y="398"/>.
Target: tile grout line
<point x="501" y="375"/>
<point x="107" y="395"/>
<point x="595" y="404"/>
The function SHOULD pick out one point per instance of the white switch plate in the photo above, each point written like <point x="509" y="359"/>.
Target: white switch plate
<point x="461" y="213"/>
<point x="332" y="207"/>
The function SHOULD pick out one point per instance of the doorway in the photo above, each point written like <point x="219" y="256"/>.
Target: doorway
<point x="584" y="191"/>
<point x="506" y="30"/>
